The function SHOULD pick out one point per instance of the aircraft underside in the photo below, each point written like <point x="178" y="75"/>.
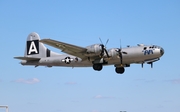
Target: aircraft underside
<point x="97" y="67"/>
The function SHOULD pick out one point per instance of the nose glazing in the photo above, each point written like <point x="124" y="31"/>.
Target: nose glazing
<point x="162" y="51"/>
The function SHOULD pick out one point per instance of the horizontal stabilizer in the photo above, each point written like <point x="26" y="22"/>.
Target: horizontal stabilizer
<point x="28" y="58"/>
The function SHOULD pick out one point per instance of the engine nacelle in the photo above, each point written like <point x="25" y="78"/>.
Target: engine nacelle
<point x="94" y="50"/>
<point x="113" y="52"/>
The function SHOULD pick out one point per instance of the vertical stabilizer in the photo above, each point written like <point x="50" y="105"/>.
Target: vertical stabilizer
<point x="33" y="47"/>
<point x="36" y="49"/>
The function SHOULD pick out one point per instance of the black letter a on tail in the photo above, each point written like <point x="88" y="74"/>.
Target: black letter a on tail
<point x="32" y="47"/>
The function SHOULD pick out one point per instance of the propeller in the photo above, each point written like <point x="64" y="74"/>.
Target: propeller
<point x="103" y="48"/>
<point x="120" y="52"/>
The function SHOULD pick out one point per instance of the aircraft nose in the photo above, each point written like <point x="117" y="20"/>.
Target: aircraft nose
<point x="162" y="51"/>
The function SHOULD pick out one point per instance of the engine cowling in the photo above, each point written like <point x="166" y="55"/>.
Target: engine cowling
<point x="94" y="50"/>
<point x="113" y="52"/>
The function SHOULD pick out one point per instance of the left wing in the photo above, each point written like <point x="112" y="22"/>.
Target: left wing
<point x="66" y="48"/>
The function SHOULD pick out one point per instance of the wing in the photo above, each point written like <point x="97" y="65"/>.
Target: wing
<point x="66" y="48"/>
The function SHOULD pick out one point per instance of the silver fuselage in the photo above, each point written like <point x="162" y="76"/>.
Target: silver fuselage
<point x="136" y="54"/>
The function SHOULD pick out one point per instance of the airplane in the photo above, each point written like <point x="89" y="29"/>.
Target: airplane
<point x="95" y="56"/>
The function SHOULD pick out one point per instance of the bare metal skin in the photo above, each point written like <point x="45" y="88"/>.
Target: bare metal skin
<point x="96" y="55"/>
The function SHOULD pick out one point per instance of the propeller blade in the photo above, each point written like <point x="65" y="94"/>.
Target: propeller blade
<point x="121" y="52"/>
<point x="106" y="42"/>
<point x="120" y="55"/>
<point x="102" y="52"/>
<point x="124" y="52"/>
<point x="106" y="53"/>
<point x="100" y="40"/>
<point x="120" y="44"/>
<point x="104" y="48"/>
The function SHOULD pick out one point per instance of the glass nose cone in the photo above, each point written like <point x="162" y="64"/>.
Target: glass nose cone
<point x="162" y="51"/>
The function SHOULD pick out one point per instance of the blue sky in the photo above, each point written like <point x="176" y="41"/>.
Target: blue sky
<point x="60" y="89"/>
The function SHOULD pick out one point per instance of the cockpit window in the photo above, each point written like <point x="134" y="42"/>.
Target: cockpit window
<point x="154" y="46"/>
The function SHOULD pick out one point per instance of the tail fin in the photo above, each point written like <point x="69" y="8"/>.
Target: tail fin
<point x="35" y="49"/>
